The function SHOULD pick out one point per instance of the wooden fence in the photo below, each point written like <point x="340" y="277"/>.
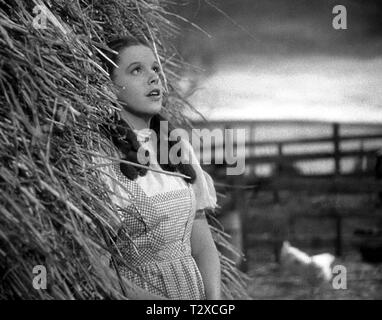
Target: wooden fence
<point x="361" y="179"/>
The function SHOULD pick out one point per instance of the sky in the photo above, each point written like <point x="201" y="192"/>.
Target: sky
<point x="283" y="27"/>
<point x="283" y="59"/>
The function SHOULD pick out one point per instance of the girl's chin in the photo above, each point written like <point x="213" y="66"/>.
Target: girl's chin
<point x="153" y="109"/>
<point x="145" y="112"/>
<point x="150" y="109"/>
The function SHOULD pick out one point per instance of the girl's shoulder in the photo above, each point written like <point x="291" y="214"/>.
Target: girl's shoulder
<point x="203" y="187"/>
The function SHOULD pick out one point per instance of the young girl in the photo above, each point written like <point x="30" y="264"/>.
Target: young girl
<point x="163" y="232"/>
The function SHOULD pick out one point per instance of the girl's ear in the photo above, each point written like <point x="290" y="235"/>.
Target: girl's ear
<point x="119" y="87"/>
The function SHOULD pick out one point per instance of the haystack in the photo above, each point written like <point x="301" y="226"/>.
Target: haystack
<point x="54" y="207"/>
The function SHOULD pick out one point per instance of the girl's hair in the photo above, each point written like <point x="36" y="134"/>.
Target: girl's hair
<point x="125" y="139"/>
<point x="117" y="45"/>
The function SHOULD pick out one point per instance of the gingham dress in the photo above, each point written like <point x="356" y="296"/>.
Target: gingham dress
<point x="154" y="233"/>
<point x="160" y="227"/>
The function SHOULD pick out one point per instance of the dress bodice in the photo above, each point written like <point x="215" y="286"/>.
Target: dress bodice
<point x="155" y="239"/>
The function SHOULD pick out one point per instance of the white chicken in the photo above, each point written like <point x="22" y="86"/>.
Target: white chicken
<point x="315" y="270"/>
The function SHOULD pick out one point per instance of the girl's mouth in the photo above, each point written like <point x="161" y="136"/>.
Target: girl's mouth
<point x="154" y="93"/>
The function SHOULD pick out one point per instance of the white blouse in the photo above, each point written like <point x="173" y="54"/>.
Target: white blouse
<point x="153" y="182"/>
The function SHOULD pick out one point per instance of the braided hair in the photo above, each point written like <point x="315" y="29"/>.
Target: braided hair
<point x="125" y="139"/>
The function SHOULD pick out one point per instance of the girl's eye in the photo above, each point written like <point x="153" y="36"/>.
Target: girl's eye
<point x="136" y="70"/>
<point x="156" y="69"/>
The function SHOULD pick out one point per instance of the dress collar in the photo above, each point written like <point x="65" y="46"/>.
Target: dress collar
<point x="143" y="135"/>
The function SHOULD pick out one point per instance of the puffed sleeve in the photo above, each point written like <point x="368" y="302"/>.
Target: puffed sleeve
<point x="203" y="187"/>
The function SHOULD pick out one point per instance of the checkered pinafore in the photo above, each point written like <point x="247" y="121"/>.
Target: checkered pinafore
<point x="160" y="227"/>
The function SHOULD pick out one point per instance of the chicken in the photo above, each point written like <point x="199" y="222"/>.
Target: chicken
<point x="315" y="270"/>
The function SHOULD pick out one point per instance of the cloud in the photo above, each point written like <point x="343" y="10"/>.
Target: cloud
<point x="314" y="88"/>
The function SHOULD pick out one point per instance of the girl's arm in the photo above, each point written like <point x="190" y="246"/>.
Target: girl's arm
<point x="206" y="256"/>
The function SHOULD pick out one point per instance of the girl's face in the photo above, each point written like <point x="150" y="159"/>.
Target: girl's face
<point x="137" y="78"/>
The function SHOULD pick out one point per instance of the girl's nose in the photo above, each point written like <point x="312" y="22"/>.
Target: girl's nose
<point x="154" y="78"/>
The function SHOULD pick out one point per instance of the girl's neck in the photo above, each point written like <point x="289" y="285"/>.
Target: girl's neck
<point x="135" y="121"/>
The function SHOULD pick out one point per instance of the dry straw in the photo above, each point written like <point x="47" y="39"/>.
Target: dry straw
<point x="54" y="209"/>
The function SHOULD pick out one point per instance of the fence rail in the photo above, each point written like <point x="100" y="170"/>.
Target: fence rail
<point x="362" y="179"/>
<point x="281" y="157"/>
<point x="344" y="185"/>
<point x="323" y="139"/>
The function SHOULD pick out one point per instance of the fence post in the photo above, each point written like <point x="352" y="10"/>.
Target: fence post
<point x="251" y="150"/>
<point x="378" y="172"/>
<point x="279" y="154"/>
<point x="337" y="172"/>
<point x="226" y="139"/>
<point x="338" y="233"/>
<point x="241" y="202"/>
<point x="278" y="170"/>
<point x="337" y="156"/>
<point x="363" y="158"/>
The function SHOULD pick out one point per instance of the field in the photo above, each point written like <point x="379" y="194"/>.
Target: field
<point x="364" y="281"/>
<point x="270" y="221"/>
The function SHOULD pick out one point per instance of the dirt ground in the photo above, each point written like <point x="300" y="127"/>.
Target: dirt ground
<point x="364" y="281"/>
<point x="269" y="280"/>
